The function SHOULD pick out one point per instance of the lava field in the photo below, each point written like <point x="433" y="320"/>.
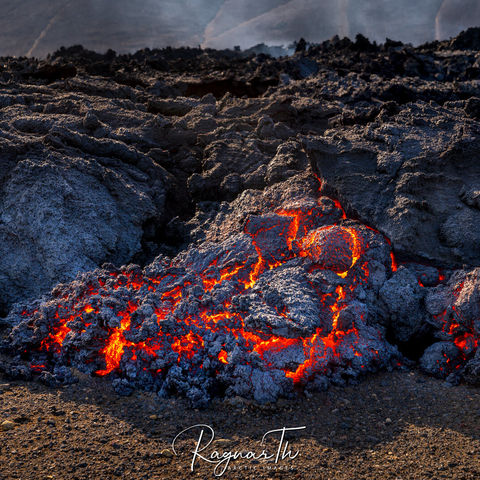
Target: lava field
<point x="224" y="223"/>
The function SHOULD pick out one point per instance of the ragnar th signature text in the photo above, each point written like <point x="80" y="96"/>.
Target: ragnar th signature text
<point x="204" y="452"/>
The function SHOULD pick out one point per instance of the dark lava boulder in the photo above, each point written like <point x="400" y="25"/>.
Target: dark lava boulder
<point x="414" y="178"/>
<point x="72" y="194"/>
<point x="63" y="215"/>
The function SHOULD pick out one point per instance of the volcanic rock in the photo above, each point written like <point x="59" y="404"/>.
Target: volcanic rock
<point x="257" y="309"/>
<point x="402" y="298"/>
<point x="455" y="316"/>
<point x="69" y="202"/>
<point x="200" y="223"/>
<point x="414" y="195"/>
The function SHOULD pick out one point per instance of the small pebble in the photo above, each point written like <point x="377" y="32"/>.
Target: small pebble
<point x="166" y="453"/>
<point x="7" y="425"/>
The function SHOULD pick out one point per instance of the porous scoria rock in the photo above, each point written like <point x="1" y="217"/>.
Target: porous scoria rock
<point x="455" y="314"/>
<point x="415" y="177"/>
<point x="73" y="196"/>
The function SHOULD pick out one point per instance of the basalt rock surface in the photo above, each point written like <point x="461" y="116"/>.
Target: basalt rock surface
<point x="297" y="221"/>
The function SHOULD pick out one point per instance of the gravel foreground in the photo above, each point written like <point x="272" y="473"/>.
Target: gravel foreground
<point x="391" y="426"/>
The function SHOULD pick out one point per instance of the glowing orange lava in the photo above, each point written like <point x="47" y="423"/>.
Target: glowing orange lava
<point x="116" y="343"/>
<point x="300" y="241"/>
<point x="222" y="356"/>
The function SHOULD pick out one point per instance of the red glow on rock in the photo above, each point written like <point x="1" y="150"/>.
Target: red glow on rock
<point x="394" y="262"/>
<point x="38" y="368"/>
<point x="467" y="343"/>
<point x="337" y="248"/>
<point x="116" y="343"/>
<point x="187" y="345"/>
<point x="222" y="356"/>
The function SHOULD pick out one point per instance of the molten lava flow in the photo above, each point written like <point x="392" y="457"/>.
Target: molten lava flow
<point x="299" y="235"/>
<point x="222" y="356"/>
<point x="335" y="307"/>
<point x="116" y="343"/>
<point x="187" y="345"/>
<point x="257" y="269"/>
<point x="394" y="262"/>
<point x="314" y="356"/>
<point x="225" y="274"/>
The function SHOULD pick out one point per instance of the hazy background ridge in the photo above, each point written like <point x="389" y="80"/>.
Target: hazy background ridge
<point x="38" y="27"/>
